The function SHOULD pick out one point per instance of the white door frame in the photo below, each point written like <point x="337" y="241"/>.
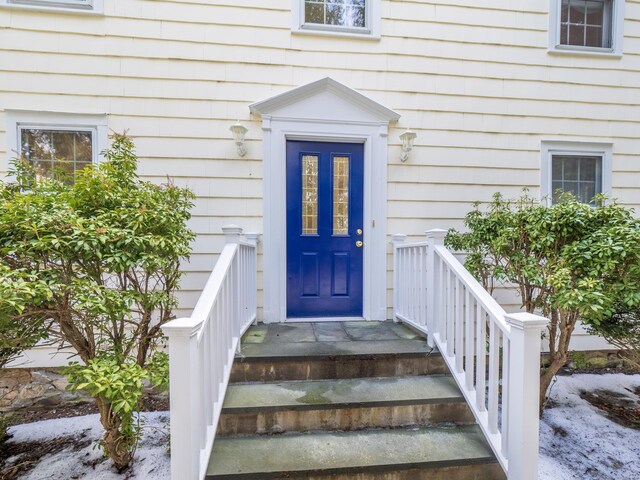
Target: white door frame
<point x="352" y="126"/>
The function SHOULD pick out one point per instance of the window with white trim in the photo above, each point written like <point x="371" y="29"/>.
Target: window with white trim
<point x="80" y="6"/>
<point x="57" y="150"/>
<point x="583" y="170"/>
<point x="54" y="143"/>
<point x="337" y="17"/>
<point x="587" y="26"/>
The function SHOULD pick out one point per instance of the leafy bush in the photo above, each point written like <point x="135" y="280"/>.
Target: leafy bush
<point x="97" y="262"/>
<point x="622" y="330"/>
<point x="568" y="261"/>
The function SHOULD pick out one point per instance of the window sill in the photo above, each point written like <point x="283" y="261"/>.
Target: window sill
<point x="335" y="33"/>
<point x="97" y="10"/>
<point x="578" y="52"/>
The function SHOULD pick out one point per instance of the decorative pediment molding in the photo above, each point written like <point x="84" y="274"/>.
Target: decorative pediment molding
<point x="324" y="99"/>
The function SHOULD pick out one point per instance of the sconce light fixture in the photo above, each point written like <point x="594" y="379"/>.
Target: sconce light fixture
<point x="239" y="131"/>
<point x="407" y="144"/>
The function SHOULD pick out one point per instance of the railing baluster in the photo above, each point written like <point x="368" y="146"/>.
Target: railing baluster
<point x="469" y="337"/>
<point x="481" y="358"/>
<point x="451" y="279"/>
<point x="504" y="400"/>
<point x="459" y="349"/>
<point x="494" y="366"/>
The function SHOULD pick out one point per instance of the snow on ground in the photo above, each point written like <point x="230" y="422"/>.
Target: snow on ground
<point x="578" y="441"/>
<point x="151" y="462"/>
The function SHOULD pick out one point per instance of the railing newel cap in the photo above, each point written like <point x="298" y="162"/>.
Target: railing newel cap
<point x="232" y="233"/>
<point x="181" y="328"/>
<point x="526" y="321"/>
<point x="398" y="238"/>
<point x="252" y="237"/>
<point x="436" y="236"/>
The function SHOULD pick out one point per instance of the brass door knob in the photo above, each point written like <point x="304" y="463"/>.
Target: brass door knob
<point x="359" y="244"/>
<point x="359" y="231"/>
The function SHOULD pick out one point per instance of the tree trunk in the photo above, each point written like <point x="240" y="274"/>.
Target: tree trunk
<point x="558" y="353"/>
<point x="115" y="445"/>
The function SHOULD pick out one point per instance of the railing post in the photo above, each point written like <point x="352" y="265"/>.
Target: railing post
<point x="434" y="237"/>
<point x="183" y="380"/>
<point x="253" y="239"/>
<point x="396" y="239"/>
<point x="523" y="395"/>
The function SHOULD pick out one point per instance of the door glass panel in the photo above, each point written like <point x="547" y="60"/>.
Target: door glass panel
<point x="309" y="194"/>
<point x="340" y="195"/>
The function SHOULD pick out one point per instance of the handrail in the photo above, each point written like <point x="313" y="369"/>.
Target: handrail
<point x="493" y="356"/>
<point x="201" y="352"/>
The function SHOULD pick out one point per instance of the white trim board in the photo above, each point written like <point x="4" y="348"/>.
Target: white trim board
<point x="324" y="111"/>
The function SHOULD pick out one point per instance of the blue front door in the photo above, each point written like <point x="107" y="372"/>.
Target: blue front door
<point x="324" y="229"/>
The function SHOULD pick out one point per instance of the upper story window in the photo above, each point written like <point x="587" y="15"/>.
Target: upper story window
<point x="55" y="143"/>
<point x="339" y="13"/>
<point x="79" y="6"/>
<point x="582" y="169"/>
<point x="586" y="23"/>
<point x="354" y="18"/>
<point x="587" y="26"/>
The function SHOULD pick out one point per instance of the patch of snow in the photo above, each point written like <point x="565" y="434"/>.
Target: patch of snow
<point x="151" y="460"/>
<point x="578" y="441"/>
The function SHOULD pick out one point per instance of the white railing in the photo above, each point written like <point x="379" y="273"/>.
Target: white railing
<point x="494" y="356"/>
<point x="201" y="351"/>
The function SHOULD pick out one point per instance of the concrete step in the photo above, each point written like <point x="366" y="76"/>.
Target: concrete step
<point x="344" y="404"/>
<point x="272" y="362"/>
<point x="434" y="453"/>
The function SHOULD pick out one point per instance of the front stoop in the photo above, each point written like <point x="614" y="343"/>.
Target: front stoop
<point x="376" y="405"/>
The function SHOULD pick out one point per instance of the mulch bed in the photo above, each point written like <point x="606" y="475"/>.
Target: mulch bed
<point x="16" y="459"/>
<point x="149" y="404"/>
<point x="619" y="408"/>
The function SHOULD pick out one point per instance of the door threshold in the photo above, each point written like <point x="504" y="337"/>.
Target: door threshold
<point x="326" y="319"/>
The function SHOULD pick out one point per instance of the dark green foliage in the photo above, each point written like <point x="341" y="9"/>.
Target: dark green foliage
<point x="568" y="261"/>
<point x="94" y="263"/>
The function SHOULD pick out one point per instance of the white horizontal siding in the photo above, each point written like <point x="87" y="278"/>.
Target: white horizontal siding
<point x="472" y="78"/>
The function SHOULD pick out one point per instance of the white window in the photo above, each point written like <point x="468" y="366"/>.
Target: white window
<point x="582" y="169"/>
<point x="56" y="143"/>
<point x="337" y="17"/>
<point x="587" y="26"/>
<point x="79" y="6"/>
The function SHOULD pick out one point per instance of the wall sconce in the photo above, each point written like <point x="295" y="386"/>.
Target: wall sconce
<point x="407" y="144"/>
<point x="239" y="132"/>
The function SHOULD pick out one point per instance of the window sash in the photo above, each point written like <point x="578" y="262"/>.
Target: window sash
<point x="57" y="162"/>
<point x="570" y="25"/>
<point x="579" y="181"/>
<point x="328" y="26"/>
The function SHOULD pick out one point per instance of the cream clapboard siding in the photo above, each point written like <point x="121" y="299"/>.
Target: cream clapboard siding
<point x="473" y="78"/>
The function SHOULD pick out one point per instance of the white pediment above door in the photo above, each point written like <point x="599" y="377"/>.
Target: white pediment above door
<point x="325" y="99"/>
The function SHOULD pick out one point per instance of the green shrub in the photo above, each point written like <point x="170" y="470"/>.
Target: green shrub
<point x="569" y="261"/>
<point x="96" y="263"/>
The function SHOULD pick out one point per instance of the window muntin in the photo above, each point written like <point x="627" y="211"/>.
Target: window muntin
<point x="309" y="194"/>
<point x="580" y="175"/>
<point x="336" y="13"/>
<point x="586" y="23"/>
<point x="57" y="150"/>
<point x="340" y="195"/>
